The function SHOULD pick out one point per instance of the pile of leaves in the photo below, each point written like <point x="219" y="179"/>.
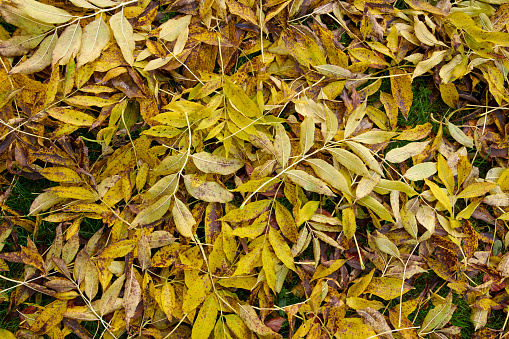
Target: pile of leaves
<point x="253" y="168"/>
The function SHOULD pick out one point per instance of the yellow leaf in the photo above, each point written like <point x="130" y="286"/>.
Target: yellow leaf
<point x="19" y="45"/>
<point x="241" y="10"/>
<point x="61" y="174"/>
<point x="123" y="33"/>
<point x="96" y="36"/>
<point x="132" y="295"/>
<point x="209" y="191"/>
<point x="6" y="334"/>
<point x="387" y="288"/>
<point x="50" y="316"/>
<point x="440" y="195"/>
<point x="416" y="133"/>
<point x="286" y="222"/>
<point x="401" y="154"/>
<point x="248" y="314"/>
<point x="183" y="218"/>
<point x="391" y="108"/>
<point x="459" y="135"/>
<point x="171" y="29"/>
<point x="385" y="186"/>
<point x="350" y="161"/>
<point x="308" y="182"/>
<point x="425" y="65"/>
<point x="335" y="72"/>
<point x="387" y="246"/>
<point x="307" y="211"/>
<point x="281" y="248"/>
<point x="210" y="163"/>
<point x="358" y="288"/>
<point x="425" y="6"/>
<point x="401" y="86"/>
<point x="464" y="169"/>
<point x="88" y="101"/>
<point x="349" y="224"/>
<point x="240" y="100"/>
<point x="365" y="154"/>
<point x="206" y="318"/>
<point x="43" y="12"/>
<point x="366" y="185"/>
<point x="353" y="328"/>
<point x="355" y="119"/>
<point x="40" y="59"/>
<point x="330" y="175"/>
<point x="421" y="171"/>
<point x="153" y="212"/>
<point x="476" y="189"/>
<point x="268" y="266"/>
<point x="374" y="137"/>
<point x="111" y="294"/>
<point x="73" y="192"/>
<point x="68" y="45"/>
<point x="247" y="262"/>
<point x="71" y="116"/>
<point x="376" y="207"/>
<point x="323" y="271"/>
<point x="409" y="222"/>
<point x="445" y="174"/>
<point x="282" y="146"/>
<point x="424" y="35"/>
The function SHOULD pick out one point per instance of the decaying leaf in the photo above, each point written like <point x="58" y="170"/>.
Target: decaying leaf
<point x="239" y="169"/>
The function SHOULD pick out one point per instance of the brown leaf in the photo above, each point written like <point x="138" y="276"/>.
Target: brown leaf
<point x="132" y="295"/>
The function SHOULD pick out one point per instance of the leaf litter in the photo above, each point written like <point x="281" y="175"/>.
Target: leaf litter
<point x="243" y="151"/>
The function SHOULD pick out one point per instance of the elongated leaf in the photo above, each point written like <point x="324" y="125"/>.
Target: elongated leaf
<point x="209" y="191"/>
<point x="281" y="248"/>
<point x="355" y="119"/>
<point x="401" y="154"/>
<point x="308" y="182"/>
<point x="459" y="136"/>
<point x="61" y="174"/>
<point x="307" y="134"/>
<point x="41" y="58"/>
<point x="421" y="171"/>
<point x="476" y="189"/>
<point x="19" y="45"/>
<point x="350" y="161"/>
<point x="425" y="65"/>
<point x="96" y="36"/>
<point x="365" y="154"/>
<point x="210" y="163"/>
<point x="329" y="174"/>
<point x="440" y="195"/>
<point x="49" y="317"/>
<point x="123" y="33"/>
<point x="43" y="12"/>
<point x="282" y="146"/>
<point x="171" y="29"/>
<point x="183" y="218"/>
<point x="71" y="116"/>
<point x="206" y="318"/>
<point x="153" y="212"/>
<point x="68" y="45"/>
<point x="286" y="222"/>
